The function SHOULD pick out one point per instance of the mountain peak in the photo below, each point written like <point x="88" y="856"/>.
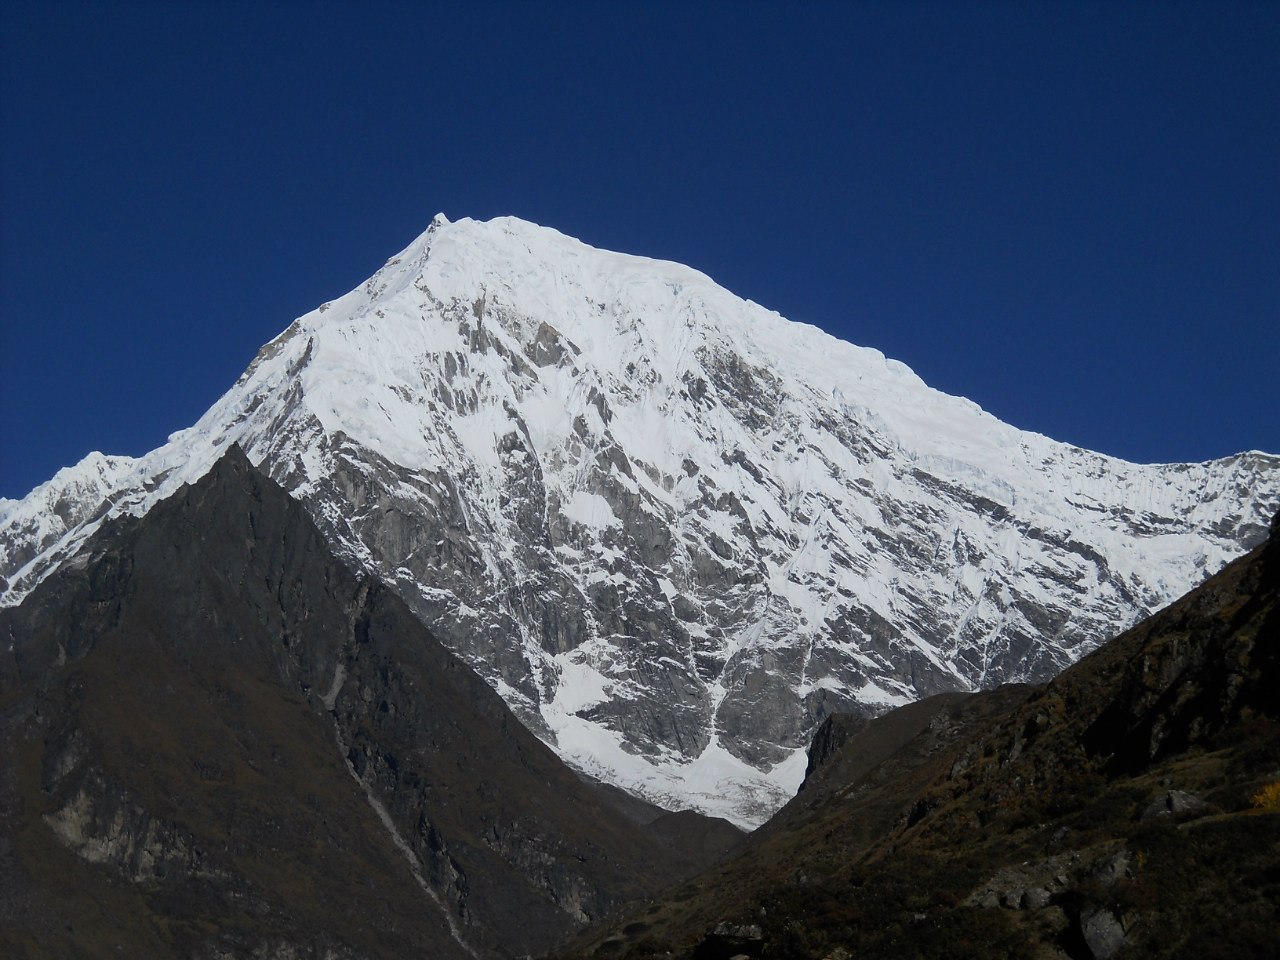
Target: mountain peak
<point x="672" y="528"/>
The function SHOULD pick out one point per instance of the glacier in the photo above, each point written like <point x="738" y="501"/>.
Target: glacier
<point x="672" y="528"/>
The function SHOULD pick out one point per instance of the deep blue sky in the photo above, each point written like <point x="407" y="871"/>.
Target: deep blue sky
<point x="1068" y="212"/>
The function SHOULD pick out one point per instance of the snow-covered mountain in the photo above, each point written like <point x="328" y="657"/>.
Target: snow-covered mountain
<point x="673" y="529"/>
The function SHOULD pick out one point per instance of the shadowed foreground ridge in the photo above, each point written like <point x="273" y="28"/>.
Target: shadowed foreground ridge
<point x="217" y="741"/>
<point x="1129" y="808"/>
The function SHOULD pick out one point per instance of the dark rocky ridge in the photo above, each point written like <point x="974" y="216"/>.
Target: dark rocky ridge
<point x="1130" y="808"/>
<point x="218" y="741"/>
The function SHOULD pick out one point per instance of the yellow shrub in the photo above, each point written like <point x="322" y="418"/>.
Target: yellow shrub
<point x="1268" y="798"/>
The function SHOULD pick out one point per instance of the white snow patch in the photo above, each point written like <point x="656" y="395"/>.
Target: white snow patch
<point x="590" y="510"/>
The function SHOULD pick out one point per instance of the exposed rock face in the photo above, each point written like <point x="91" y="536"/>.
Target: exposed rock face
<point x="1103" y="931"/>
<point x="218" y="741"/>
<point x="672" y="529"/>
<point x="101" y="824"/>
<point x="829" y="739"/>
<point x="1176" y="803"/>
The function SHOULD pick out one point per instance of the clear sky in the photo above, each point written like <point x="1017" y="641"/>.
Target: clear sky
<point x="1068" y="212"/>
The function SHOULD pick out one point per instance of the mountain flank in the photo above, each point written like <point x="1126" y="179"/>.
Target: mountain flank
<point x="218" y="741"/>
<point x="1128" y="808"/>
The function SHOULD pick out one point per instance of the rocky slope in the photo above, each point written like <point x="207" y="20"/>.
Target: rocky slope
<point x="216" y="741"/>
<point x="671" y="528"/>
<point x="1130" y="807"/>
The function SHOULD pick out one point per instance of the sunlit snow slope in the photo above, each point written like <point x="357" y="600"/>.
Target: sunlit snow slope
<point x="673" y="529"/>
